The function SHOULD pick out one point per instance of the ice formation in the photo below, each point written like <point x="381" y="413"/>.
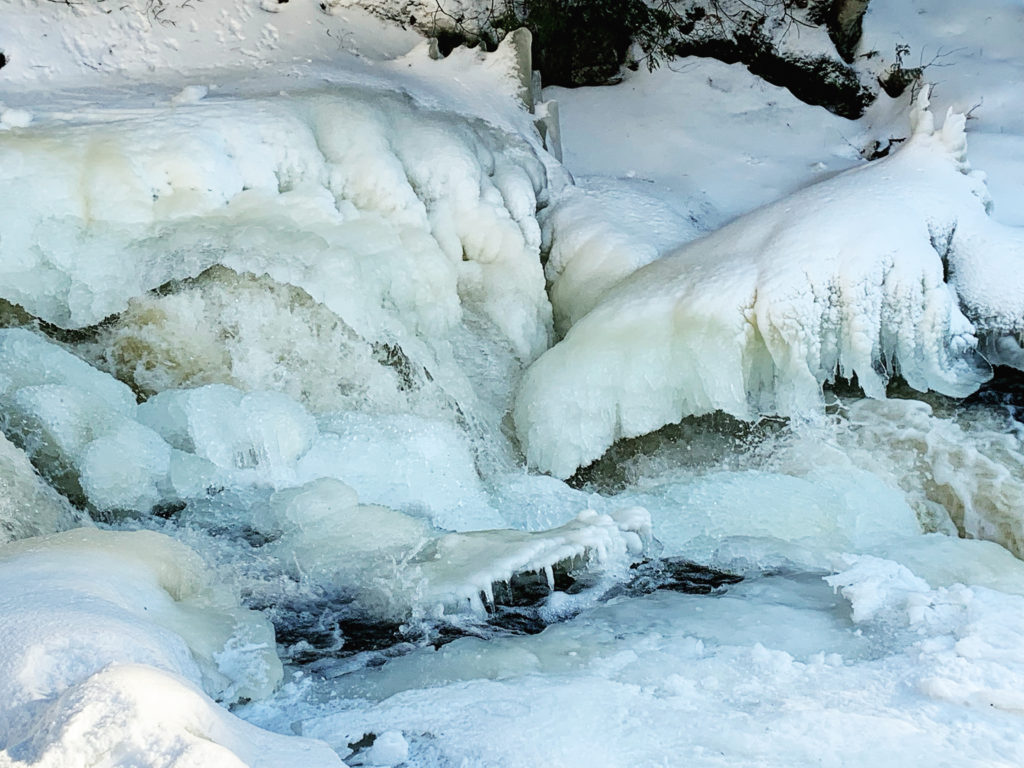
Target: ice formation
<point x="395" y="564"/>
<point x="128" y="715"/>
<point x="281" y="317"/>
<point x="392" y="215"/>
<point x="845" y="278"/>
<point x="597" y="234"/>
<point x="85" y="432"/>
<point x="931" y="671"/>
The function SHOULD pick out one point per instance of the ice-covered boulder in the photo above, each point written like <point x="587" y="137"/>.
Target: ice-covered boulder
<point x="78" y="425"/>
<point x="116" y="645"/>
<point x="845" y="278"/>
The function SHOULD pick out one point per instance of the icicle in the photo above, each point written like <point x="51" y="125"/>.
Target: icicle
<point x="922" y="121"/>
<point x="549" y="574"/>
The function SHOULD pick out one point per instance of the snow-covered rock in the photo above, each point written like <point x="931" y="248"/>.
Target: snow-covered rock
<point x="845" y="278"/>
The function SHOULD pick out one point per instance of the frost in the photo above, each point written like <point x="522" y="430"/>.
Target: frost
<point x="846" y="278"/>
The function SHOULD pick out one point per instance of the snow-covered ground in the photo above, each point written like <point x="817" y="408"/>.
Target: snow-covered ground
<point x="294" y="316"/>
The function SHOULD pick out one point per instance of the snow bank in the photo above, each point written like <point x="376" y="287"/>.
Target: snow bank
<point x="395" y="564"/>
<point x="46" y="43"/>
<point x="846" y="278"/>
<point x="129" y="715"/>
<point x="75" y="602"/>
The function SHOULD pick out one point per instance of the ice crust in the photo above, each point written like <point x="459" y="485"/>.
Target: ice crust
<point x="932" y="672"/>
<point x="845" y="278"/>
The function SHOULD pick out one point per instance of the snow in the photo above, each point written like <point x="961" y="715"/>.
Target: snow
<point x="128" y="715"/>
<point x="100" y="626"/>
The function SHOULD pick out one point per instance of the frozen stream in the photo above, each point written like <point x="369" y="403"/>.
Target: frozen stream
<point x="343" y="424"/>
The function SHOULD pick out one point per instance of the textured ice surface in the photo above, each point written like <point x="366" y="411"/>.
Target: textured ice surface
<point x="846" y="278"/>
<point x="930" y="671"/>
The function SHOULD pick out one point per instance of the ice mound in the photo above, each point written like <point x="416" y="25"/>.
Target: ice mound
<point x="130" y="715"/>
<point x="406" y="462"/>
<point x="599" y="233"/>
<point x="393" y="215"/>
<point x="396" y="564"/>
<point x="237" y="437"/>
<point x="76" y="602"/>
<point x="78" y="425"/>
<point x="28" y="506"/>
<point x="845" y="278"/>
<point x="87" y="435"/>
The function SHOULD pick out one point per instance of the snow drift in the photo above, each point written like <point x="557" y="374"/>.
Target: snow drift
<point x="845" y="278"/>
<point x="102" y="624"/>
